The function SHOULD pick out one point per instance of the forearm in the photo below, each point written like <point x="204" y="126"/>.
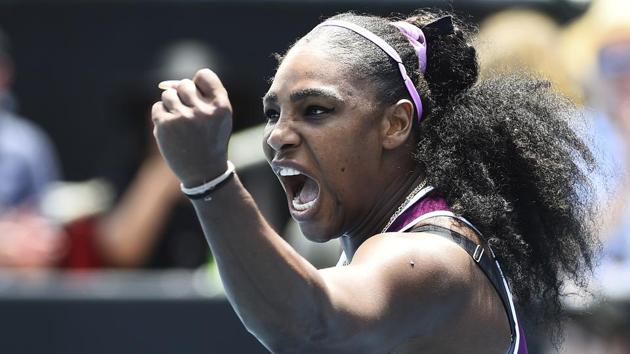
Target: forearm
<point x="273" y="289"/>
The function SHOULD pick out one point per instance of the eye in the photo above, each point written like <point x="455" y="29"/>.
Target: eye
<point x="272" y="114"/>
<point x="317" y="110"/>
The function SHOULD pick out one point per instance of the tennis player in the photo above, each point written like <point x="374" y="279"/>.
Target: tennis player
<point x="454" y="200"/>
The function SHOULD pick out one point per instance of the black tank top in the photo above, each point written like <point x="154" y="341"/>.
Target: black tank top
<point x="489" y="268"/>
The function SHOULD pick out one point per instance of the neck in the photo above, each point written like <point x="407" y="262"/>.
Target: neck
<point x="383" y="208"/>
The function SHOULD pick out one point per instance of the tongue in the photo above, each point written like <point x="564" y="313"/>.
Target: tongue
<point x="309" y="192"/>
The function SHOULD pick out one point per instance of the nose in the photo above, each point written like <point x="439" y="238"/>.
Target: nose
<point x="282" y="135"/>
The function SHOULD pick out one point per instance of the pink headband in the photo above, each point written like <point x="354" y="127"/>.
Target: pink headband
<point x="415" y="37"/>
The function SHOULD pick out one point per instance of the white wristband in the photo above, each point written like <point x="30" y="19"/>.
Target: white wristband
<point x="203" y="190"/>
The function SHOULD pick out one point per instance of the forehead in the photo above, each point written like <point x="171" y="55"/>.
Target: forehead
<point x="309" y="65"/>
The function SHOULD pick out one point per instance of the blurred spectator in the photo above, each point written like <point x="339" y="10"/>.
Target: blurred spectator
<point x="28" y="240"/>
<point x="27" y="166"/>
<point x="597" y="56"/>
<point x="520" y="40"/>
<point x="527" y="41"/>
<point x="596" y="51"/>
<point x="27" y="159"/>
<point x="151" y="225"/>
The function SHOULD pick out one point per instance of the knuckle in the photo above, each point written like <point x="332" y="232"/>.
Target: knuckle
<point x="165" y="94"/>
<point x="157" y="111"/>
<point x="204" y="110"/>
<point x="188" y="92"/>
<point x="189" y="114"/>
<point x="223" y="102"/>
<point x="156" y="107"/>
<point x="221" y="110"/>
<point x="172" y="92"/>
<point x="204" y="72"/>
<point x="185" y="85"/>
<point x="183" y="95"/>
<point x="158" y="118"/>
<point x="208" y="76"/>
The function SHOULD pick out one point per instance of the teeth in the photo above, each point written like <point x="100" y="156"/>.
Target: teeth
<point x="301" y="207"/>
<point x="285" y="171"/>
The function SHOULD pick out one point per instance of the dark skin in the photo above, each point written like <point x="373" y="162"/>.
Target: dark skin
<point x="313" y="130"/>
<point x="401" y="292"/>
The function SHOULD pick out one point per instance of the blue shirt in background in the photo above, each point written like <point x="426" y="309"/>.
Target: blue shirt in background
<point x="28" y="161"/>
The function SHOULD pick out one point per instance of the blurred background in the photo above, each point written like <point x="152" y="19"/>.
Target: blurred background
<point x="99" y="252"/>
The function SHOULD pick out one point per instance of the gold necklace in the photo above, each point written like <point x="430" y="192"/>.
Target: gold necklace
<point x="402" y="206"/>
<point x="399" y="211"/>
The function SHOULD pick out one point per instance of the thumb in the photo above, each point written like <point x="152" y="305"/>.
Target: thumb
<point x="167" y="84"/>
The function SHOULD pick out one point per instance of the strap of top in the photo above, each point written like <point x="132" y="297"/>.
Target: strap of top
<point x="486" y="260"/>
<point x="487" y="264"/>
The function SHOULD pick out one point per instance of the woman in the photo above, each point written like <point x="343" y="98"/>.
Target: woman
<point x="388" y="157"/>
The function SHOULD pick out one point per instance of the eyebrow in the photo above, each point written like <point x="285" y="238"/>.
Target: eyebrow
<point x="298" y="95"/>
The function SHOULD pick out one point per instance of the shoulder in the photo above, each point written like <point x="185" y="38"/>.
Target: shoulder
<point x="22" y="136"/>
<point x="14" y="125"/>
<point x="416" y="260"/>
<point x="425" y="246"/>
<point x="423" y="282"/>
<point x="419" y="285"/>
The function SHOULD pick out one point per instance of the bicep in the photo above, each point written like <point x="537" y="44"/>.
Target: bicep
<point x="397" y="287"/>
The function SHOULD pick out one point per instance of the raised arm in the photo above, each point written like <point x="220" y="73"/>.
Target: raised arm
<point x="369" y="306"/>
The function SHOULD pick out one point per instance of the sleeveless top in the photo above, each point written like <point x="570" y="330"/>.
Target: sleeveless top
<point x="424" y="206"/>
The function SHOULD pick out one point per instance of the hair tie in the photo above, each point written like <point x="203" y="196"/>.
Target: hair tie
<point x="417" y="40"/>
<point x="443" y="26"/>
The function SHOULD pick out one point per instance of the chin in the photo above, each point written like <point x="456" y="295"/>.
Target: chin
<point x="317" y="234"/>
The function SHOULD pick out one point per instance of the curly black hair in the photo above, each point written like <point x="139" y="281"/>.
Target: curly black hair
<point x="501" y="151"/>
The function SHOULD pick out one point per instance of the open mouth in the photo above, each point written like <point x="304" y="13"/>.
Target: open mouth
<point x="302" y="191"/>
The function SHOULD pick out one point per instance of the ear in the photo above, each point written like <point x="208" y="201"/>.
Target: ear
<point x="397" y="123"/>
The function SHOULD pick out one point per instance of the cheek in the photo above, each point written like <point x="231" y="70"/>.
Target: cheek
<point x="348" y="162"/>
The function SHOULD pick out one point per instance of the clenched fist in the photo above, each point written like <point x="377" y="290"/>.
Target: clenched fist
<point x="192" y="126"/>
